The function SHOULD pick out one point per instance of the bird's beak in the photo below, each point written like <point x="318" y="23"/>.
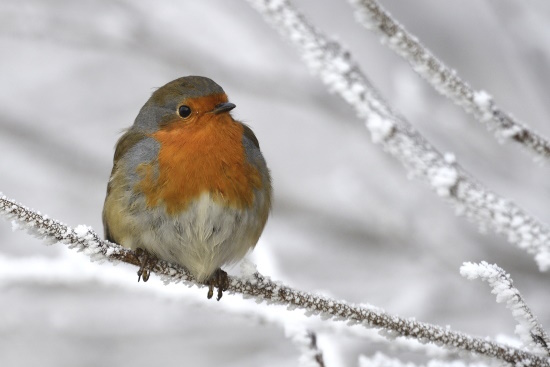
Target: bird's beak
<point x="223" y="107"/>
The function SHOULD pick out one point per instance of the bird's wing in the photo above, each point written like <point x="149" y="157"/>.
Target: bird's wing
<point x="249" y="134"/>
<point x="124" y="144"/>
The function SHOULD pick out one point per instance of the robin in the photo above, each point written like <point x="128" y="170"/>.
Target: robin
<point x="189" y="183"/>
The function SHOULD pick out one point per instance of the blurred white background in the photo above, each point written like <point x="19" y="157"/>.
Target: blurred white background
<point x="346" y="222"/>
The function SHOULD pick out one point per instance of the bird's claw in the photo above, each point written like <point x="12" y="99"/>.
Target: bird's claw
<point x="147" y="262"/>
<point x="218" y="280"/>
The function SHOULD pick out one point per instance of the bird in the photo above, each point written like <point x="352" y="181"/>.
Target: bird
<point x="189" y="184"/>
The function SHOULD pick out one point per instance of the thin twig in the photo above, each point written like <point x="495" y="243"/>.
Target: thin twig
<point x="446" y="81"/>
<point x="261" y="288"/>
<point x="74" y="271"/>
<point x="318" y="354"/>
<point x="529" y="329"/>
<point x="342" y="75"/>
<point x="306" y="341"/>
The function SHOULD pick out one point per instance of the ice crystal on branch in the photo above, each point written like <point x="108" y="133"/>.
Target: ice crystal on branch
<point x="82" y="238"/>
<point x="306" y="341"/>
<point x="445" y="80"/>
<point x="265" y="290"/>
<point x="444" y="179"/>
<point x="397" y="136"/>
<point x="379" y="128"/>
<point x="528" y="329"/>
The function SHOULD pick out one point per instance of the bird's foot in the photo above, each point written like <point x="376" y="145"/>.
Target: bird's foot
<point x="147" y="261"/>
<point x="217" y="280"/>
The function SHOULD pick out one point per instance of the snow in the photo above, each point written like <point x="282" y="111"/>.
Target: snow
<point x="483" y="100"/>
<point x="338" y="70"/>
<point x="446" y="80"/>
<point x="302" y="339"/>
<point x="510" y="132"/>
<point x="543" y="260"/>
<point x="443" y="179"/>
<point x="248" y="269"/>
<point x="82" y="230"/>
<point x="502" y="287"/>
<point x="449" y="157"/>
<point x="15" y="226"/>
<point x="383" y="242"/>
<point x="379" y="127"/>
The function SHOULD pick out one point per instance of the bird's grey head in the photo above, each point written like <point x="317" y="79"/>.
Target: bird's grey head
<point x="165" y="101"/>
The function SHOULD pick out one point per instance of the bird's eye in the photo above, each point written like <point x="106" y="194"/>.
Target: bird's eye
<point x="184" y="111"/>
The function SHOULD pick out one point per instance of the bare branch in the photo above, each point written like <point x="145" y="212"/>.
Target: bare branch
<point x="446" y="81"/>
<point x="306" y="341"/>
<point x="261" y="288"/>
<point x="71" y="271"/>
<point x="529" y="329"/>
<point x="398" y="137"/>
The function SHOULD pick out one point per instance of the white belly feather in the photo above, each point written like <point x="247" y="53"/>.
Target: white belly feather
<point x="202" y="239"/>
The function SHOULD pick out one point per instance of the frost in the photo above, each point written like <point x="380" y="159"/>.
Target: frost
<point x="443" y="179"/>
<point x="372" y="308"/>
<point x="82" y="230"/>
<point x="444" y="79"/>
<point x="543" y="260"/>
<point x="472" y="270"/>
<point x="84" y="239"/>
<point x="379" y="127"/>
<point x="298" y="334"/>
<point x="248" y="269"/>
<point x="528" y="328"/>
<point x="306" y="342"/>
<point x="510" y="132"/>
<point x="483" y="100"/>
<point x="341" y="64"/>
<point x="508" y="340"/>
<point x="109" y="252"/>
<point x="15" y="225"/>
<point x="449" y="158"/>
<point x="338" y="70"/>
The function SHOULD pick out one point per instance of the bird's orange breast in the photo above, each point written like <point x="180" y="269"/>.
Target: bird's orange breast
<point x="206" y="156"/>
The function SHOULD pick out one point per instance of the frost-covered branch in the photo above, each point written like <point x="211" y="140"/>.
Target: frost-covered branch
<point x="528" y="329"/>
<point x="306" y="341"/>
<point x="342" y="75"/>
<point x="381" y="360"/>
<point x="445" y="80"/>
<point x="263" y="289"/>
<point x="71" y="271"/>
